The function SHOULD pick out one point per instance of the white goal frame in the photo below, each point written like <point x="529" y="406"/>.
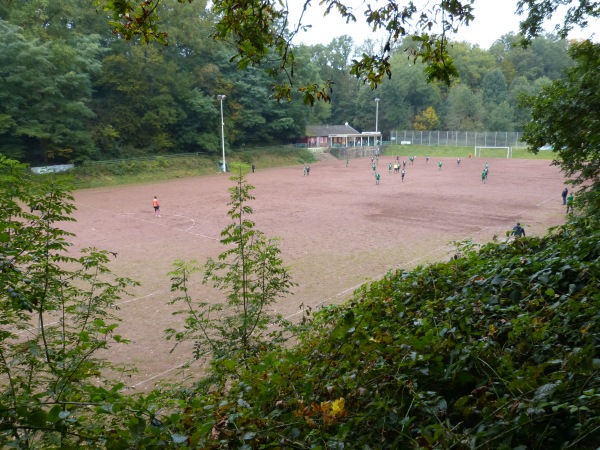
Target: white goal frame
<point x="508" y="150"/>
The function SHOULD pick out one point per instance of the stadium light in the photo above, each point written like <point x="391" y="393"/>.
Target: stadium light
<point x="221" y="98"/>
<point x="376" y="117"/>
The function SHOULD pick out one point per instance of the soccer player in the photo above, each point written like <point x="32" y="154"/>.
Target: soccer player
<point x="377" y="176"/>
<point x="483" y="176"/>
<point x="346" y="161"/>
<point x="570" y="203"/>
<point x="390" y="168"/>
<point x="374" y="167"/>
<point x="426" y="159"/>
<point x="403" y="173"/>
<point x="457" y="162"/>
<point x="412" y="160"/>
<point x="439" y="165"/>
<point x="156" y="207"/>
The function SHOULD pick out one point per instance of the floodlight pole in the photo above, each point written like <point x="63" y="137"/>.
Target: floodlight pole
<point x="376" y="118"/>
<point x="221" y="98"/>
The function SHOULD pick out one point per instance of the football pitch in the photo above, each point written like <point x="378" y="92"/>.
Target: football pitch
<point x="337" y="230"/>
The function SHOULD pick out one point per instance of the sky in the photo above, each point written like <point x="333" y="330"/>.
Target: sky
<point x="493" y="19"/>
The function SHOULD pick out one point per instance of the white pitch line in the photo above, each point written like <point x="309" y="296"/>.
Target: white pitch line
<point x="345" y="291"/>
<point x="158" y="375"/>
<point x="156" y="222"/>
<point x="116" y="304"/>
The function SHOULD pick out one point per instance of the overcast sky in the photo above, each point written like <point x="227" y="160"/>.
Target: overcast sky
<point x="493" y="18"/>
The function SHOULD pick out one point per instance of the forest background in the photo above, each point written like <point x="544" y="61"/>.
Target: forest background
<point x="69" y="82"/>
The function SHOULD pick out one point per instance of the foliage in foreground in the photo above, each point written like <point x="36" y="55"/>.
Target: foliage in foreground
<point x="251" y="276"/>
<point x="56" y="317"/>
<point x="566" y="115"/>
<point x="495" y="349"/>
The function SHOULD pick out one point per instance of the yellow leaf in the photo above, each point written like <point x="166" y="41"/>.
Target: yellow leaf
<point x="337" y="409"/>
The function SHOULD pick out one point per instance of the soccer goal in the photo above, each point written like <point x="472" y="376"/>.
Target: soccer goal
<point x="493" y="151"/>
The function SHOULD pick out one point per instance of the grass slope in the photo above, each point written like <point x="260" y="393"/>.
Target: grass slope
<point x="137" y="171"/>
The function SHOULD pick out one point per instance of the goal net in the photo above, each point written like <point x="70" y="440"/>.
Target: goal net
<point x="493" y="151"/>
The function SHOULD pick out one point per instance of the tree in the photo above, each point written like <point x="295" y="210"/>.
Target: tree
<point x="260" y="30"/>
<point x="472" y="63"/>
<point x="539" y="11"/>
<point x="494" y="88"/>
<point x="45" y="94"/>
<point x="545" y="55"/>
<point x="500" y="117"/>
<point x="333" y="63"/>
<point x="251" y="274"/>
<point x="465" y="111"/>
<point x="566" y="116"/>
<point x="138" y="83"/>
<point x="426" y="120"/>
<point x="56" y="318"/>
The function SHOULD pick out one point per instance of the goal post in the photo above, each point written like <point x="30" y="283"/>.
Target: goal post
<point x="494" y="151"/>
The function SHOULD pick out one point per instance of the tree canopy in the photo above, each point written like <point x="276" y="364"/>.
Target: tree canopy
<point x="261" y="29"/>
<point x="566" y="116"/>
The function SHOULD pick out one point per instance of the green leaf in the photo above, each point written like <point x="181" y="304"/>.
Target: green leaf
<point x="53" y="414"/>
<point x="37" y="418"/>
<point x="248" y="436"/>
<point x="178" y="438"/>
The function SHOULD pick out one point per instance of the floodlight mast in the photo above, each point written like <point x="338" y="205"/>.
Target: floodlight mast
<point x="376" y="115"/>
<point x="221" y="98"/>
<point x="376" y="118"/>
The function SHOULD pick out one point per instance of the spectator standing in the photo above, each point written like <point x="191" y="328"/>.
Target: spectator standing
<point x="518" y="231"/>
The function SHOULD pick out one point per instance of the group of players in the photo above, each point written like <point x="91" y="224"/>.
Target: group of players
<point x="400" y="167"/>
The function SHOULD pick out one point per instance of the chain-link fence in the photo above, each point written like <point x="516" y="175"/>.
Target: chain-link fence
<point x="458" y="138"/>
